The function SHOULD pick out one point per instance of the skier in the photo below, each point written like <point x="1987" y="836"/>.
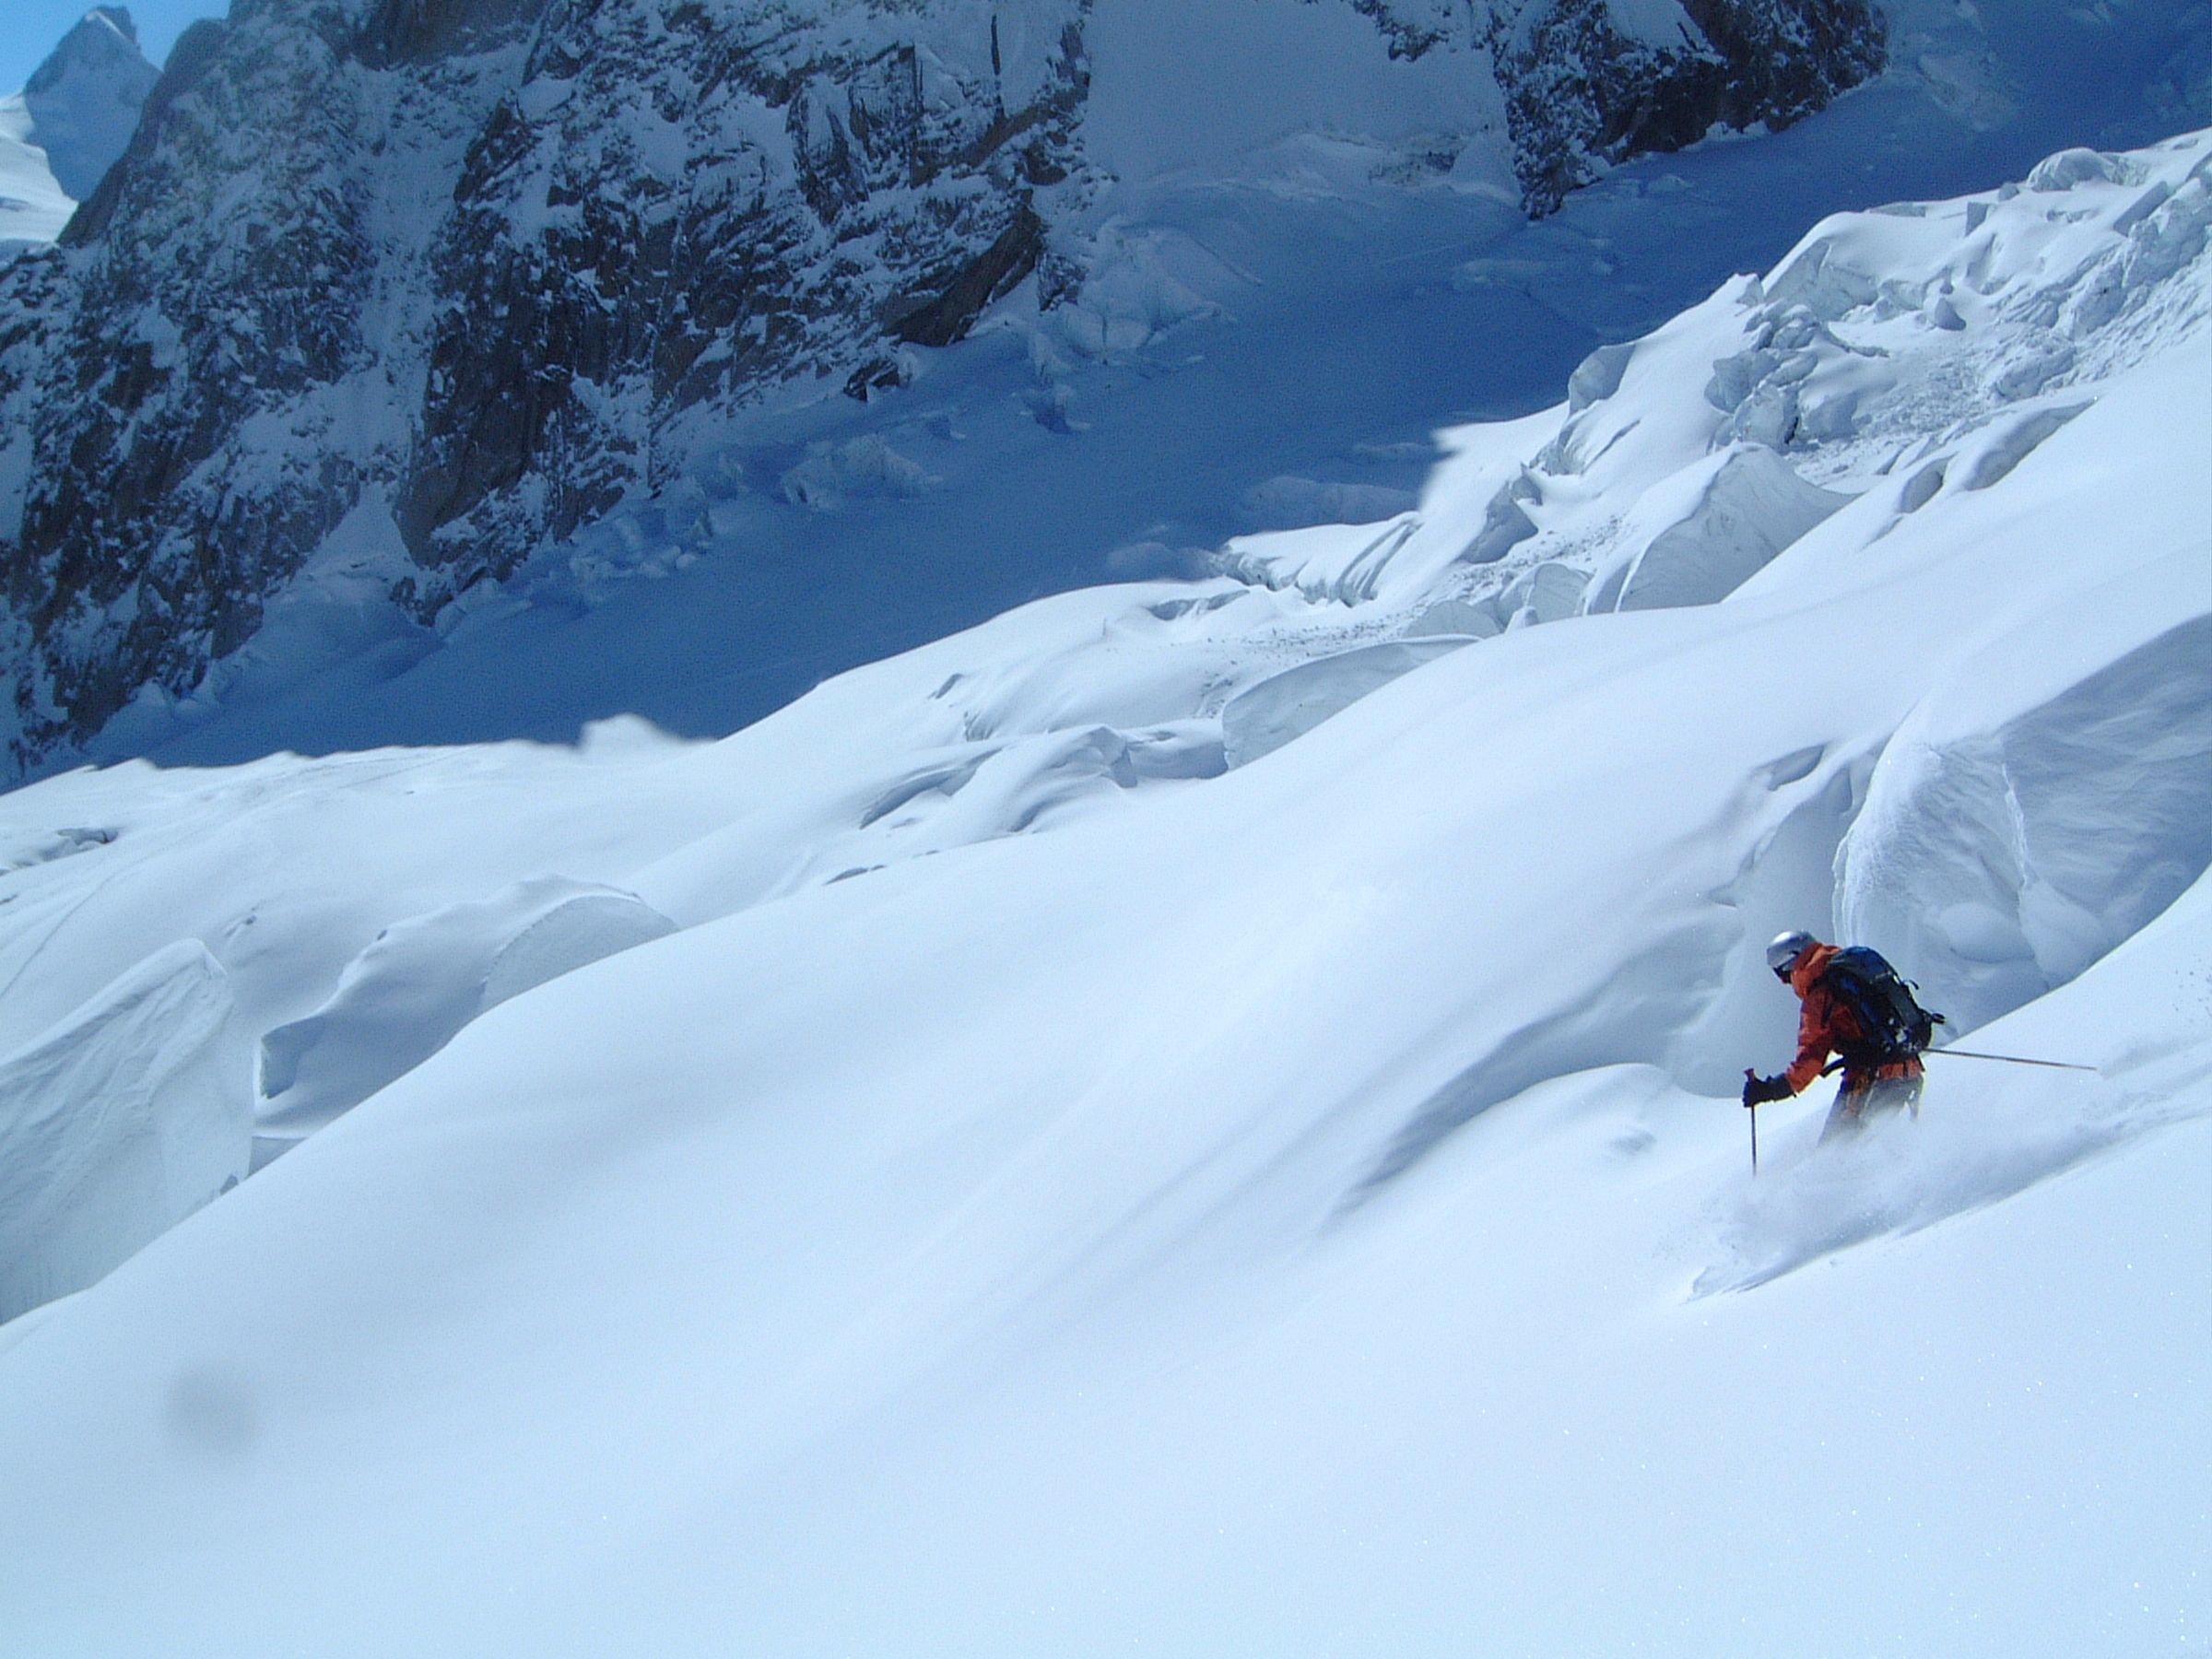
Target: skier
<point x="1881" y="1057"/>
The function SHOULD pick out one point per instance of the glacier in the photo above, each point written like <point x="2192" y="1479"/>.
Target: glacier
<point x="1095" y="1170"/>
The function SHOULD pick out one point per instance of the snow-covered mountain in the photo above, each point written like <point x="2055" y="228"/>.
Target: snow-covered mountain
<point x="1200" y="1114"/>
<point x="424" y="287"/>
<point x="69" y="125"/>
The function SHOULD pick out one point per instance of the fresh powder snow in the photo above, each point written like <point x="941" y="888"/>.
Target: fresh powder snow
<point x="1199" y="1115"/>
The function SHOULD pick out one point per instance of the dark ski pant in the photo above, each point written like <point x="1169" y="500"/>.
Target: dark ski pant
<point x="1856" y="1107"/>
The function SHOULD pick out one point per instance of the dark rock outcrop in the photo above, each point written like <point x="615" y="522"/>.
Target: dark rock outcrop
<point x="1582" y="96"/>
<point x="458" y="267"/>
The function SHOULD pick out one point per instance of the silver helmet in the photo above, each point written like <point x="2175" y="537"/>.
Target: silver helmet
<point x="1782" y="953"/>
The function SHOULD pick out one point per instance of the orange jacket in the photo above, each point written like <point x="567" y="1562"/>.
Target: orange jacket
<point x="1826" y="1025"/>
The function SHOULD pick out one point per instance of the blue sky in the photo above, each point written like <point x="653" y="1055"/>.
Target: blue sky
<point x="33" y="27"/>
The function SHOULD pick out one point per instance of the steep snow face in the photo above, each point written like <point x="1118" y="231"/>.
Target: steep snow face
<point x="69" y="125"/>
<point x="33" y="209"/>
<point x="117" y="1123"/>
<point x="455" y="281"/>
<point x="1991" y="852"/>
<point x="1170" y="1112"/>
<point x="1969" y="832"/>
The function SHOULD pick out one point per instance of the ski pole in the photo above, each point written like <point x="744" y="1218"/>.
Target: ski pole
<point x="1750" y="1077"/>
<point x="2009" y="1059"/>
<point x="1834" y="1066"/>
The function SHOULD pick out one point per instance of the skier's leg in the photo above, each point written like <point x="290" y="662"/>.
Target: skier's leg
<point x="1891" y="1095"/>
<point x="1843" y="1119"/>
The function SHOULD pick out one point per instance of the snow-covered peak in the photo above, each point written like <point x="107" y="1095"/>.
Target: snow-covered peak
<point x="83" y="101"/>
<point x="69" y="125"/>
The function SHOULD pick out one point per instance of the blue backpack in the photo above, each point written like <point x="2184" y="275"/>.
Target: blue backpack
<point x="1896" y="1026"/>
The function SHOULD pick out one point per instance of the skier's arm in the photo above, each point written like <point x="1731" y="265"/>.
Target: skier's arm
<point x="1816" y="1040"/>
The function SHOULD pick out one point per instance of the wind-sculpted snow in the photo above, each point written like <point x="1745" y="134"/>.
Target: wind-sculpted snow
<point x="402" y="999"/>
<point x="1724" y="521"/>
<point x="116" y="1125"/>
<point x="1287" y="705"/>
<point x="2004" y="853"/>
<point x="1060" y="1193"/>
<point x="1935" y="345"/>
<point x="1031" y="722"/>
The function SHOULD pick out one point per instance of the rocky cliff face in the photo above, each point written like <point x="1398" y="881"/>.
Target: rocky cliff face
<point x="433" y="282"/>
<point x="1591" y="83"/>
<point x="1587" y="87"/>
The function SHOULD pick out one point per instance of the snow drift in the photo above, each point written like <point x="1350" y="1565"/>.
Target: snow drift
<point x="2006" y="853"/>
<point x="117" y="1125"/>
<point x="401" y="1000"/>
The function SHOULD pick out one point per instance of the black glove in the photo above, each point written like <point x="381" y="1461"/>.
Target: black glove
<point x="1758" y="1090"/>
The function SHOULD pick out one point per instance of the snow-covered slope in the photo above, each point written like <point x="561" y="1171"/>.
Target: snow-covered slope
<point x="1096" y="1169"/>
<point x="69" y="125"/>
<point x="33" y="209"/>
<point x="117" y="1125"/>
